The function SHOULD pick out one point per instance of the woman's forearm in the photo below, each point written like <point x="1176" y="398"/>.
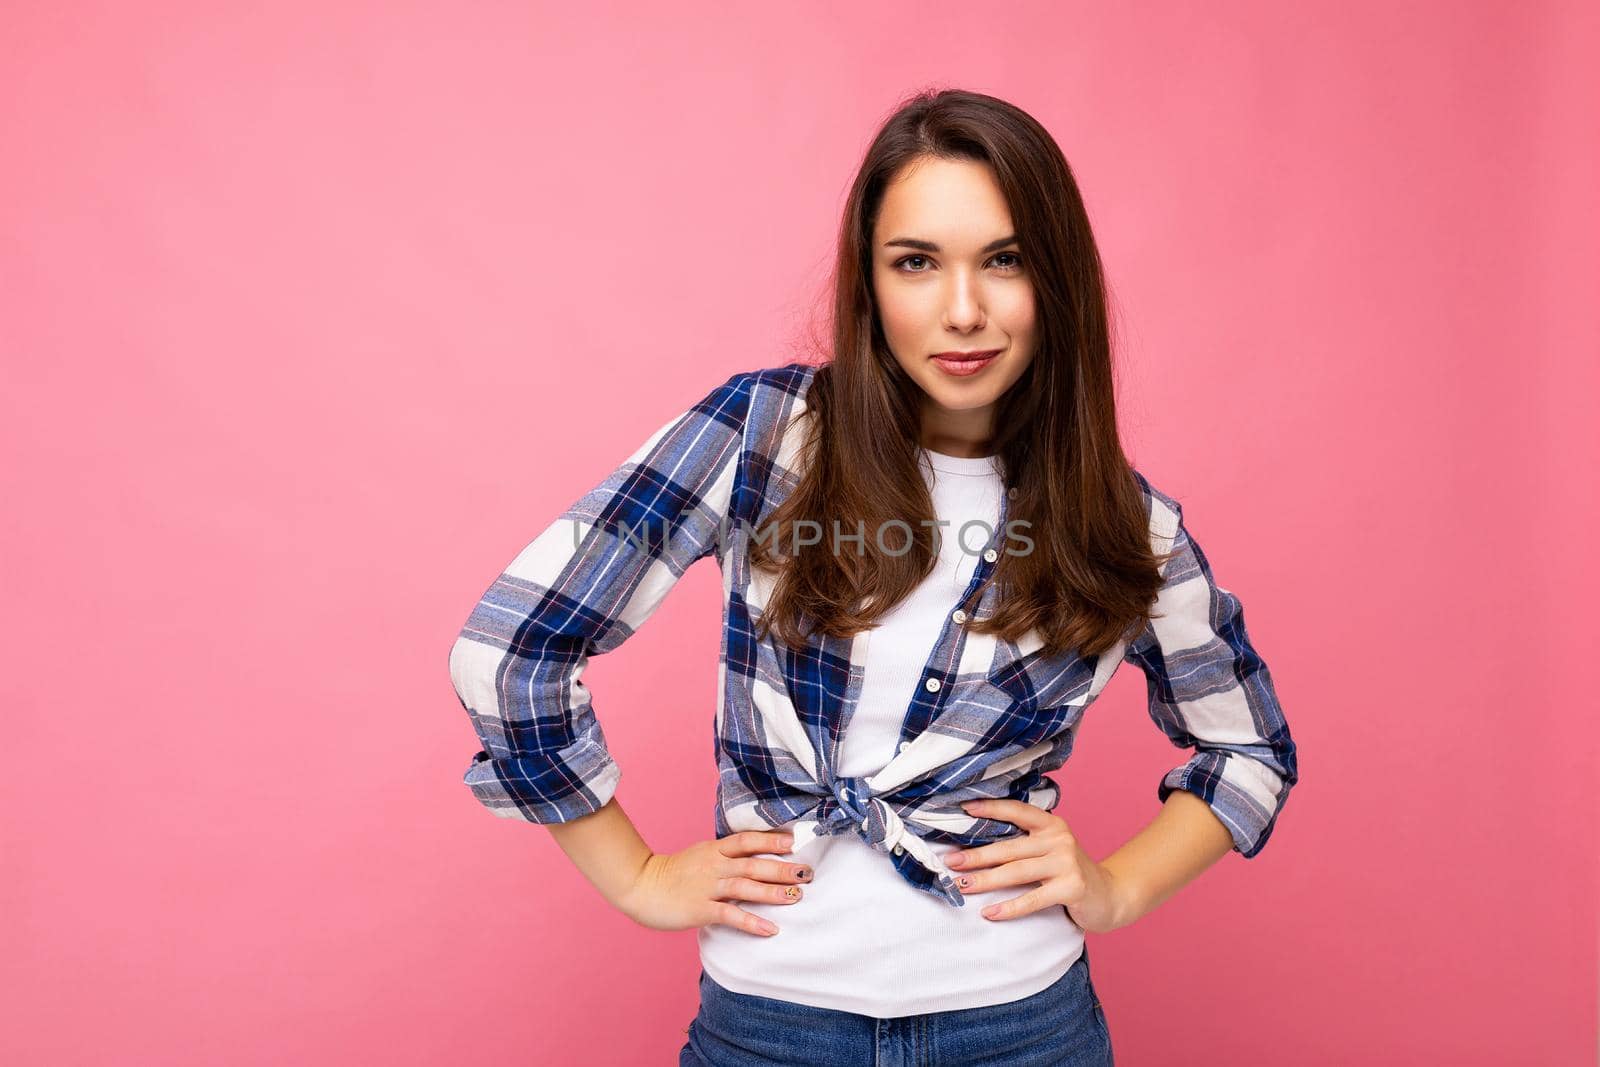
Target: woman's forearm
<point x="606" y="847"/>
<point x="1182" y="840"/>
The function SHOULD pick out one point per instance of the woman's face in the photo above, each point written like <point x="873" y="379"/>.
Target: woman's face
<point x="949" y="279"/>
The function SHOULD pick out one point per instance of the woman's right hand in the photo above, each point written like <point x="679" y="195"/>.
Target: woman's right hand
<point x="696" y="887"/>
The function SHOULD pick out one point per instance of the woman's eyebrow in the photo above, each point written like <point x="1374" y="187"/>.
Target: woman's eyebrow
<point x="929" y="246"/>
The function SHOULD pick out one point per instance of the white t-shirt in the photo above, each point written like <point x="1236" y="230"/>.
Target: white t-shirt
<point x="861" y="939"/>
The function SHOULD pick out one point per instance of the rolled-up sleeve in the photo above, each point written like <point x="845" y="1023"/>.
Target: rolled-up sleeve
<point x="1210" y="691"/>
<point x="584" y="585"/>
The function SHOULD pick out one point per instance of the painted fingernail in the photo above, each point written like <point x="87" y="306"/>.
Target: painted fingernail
<point x="804" y="874"/>
<point x="964" y="882"/>
<point x="793" y="892"/>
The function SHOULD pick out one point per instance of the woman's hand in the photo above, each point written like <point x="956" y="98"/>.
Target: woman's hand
<point x="1048" y="853"/>
<point x="695" y="887"/>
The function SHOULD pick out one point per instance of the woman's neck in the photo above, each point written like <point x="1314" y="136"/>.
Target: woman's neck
<point x="965" y="434"/>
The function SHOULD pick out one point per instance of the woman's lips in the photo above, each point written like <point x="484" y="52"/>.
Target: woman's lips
<point x="961" y="366"/>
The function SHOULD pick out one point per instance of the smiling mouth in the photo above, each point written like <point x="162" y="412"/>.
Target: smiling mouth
<point x="964" y="363"/>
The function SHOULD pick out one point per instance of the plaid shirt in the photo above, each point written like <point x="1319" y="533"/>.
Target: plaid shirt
<point x="988" y="717"/>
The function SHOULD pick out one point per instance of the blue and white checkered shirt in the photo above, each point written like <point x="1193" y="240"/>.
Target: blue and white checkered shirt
<point x="989" y="717"/>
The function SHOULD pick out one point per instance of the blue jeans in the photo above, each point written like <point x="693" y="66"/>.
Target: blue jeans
<point x="1062" y="1025"/>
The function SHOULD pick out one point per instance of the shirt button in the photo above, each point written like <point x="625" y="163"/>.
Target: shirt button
<point x="904" y="745"/>
<point x="933" y="685"/>
<point x="959" y="616"/>
<point x="991" y="555"/>
<point x="866" y="824"/>
<point x="1012" y="492"/>
<point x="898" y="850"/>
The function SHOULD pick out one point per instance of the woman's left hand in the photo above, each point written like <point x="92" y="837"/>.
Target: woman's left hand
<point x="1049" y="854"/>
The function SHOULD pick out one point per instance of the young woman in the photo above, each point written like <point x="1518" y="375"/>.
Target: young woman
<point x="935" y="555"/>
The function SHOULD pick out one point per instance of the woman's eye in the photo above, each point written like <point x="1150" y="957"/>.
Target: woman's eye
<point x="901" y="264"/>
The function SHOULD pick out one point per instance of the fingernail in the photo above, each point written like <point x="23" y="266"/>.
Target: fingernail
<point x="955" y="859"/>
<point x="804" y="874"/>
<point x="964" y="882"/>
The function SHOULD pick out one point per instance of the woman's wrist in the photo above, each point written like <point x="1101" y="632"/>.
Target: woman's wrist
<point x="1128" y="903"/>
<point x="606" y="849"/>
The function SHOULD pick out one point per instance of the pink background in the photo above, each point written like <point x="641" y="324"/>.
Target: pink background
<point x="314" y="314"/>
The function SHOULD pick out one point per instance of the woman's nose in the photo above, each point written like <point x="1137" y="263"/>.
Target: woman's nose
<point x="962" y="307"/>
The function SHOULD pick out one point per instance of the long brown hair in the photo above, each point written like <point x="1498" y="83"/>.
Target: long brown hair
<point x="1091" y="574"/>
